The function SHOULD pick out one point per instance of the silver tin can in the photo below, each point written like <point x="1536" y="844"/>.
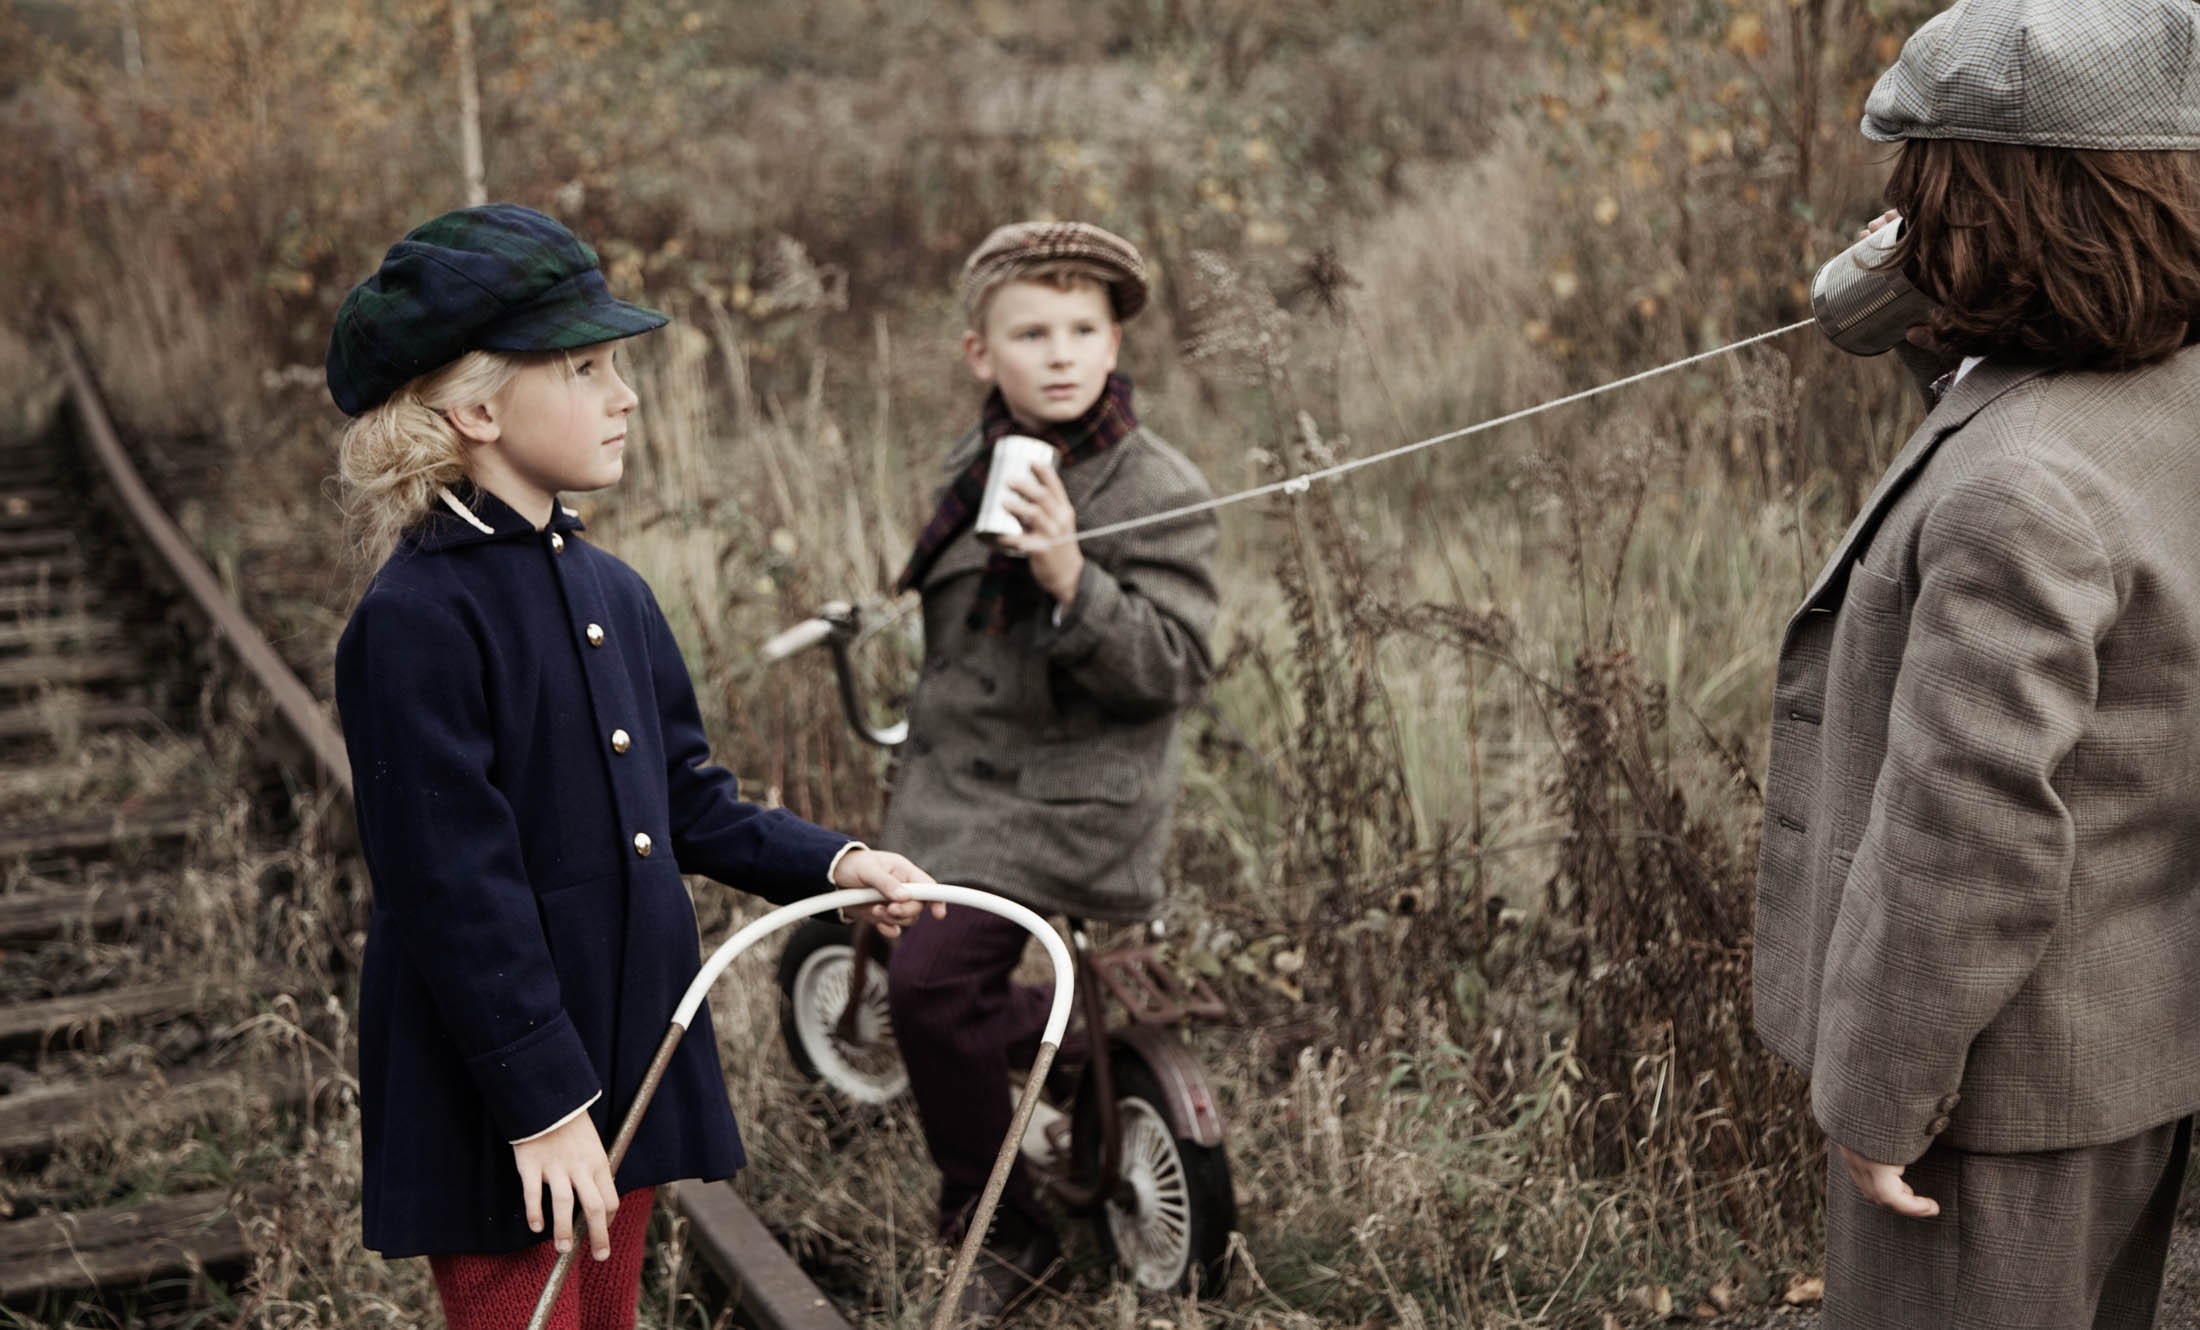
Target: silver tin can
<point x="1863" y="308"/>
<point x="1015" y="457"/>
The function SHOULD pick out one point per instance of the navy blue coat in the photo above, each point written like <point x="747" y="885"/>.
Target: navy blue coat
<point x="532" y="779"/>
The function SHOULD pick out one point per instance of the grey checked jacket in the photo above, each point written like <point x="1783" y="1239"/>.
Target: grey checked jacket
<point x="1978" y="901"/>
<point x="1042" y="761"/>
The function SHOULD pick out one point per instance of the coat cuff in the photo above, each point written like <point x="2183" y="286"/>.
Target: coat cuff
<point x="531" y="1084"/>
<point x="850" y="848"/>
<point x="1077" y="632"/>
<point x="1896" y="1130"/>
<point x="834" y="867"/>
<point x="561" y="1121"/>
<point x="808" y="855"/>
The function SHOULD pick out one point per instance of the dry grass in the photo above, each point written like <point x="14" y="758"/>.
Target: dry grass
<point x="1468" y="819"/>
<point x="1423" y="723"/>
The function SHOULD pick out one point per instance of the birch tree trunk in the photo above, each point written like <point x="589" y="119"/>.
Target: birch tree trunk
<point x="133" y="50"/>
<point x="469" y="104"/>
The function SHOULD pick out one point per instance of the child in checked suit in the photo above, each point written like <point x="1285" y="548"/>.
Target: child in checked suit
<point x="532" y="780"/>
<point x="1979" y="891"/>
<point x="1041" y="761"/>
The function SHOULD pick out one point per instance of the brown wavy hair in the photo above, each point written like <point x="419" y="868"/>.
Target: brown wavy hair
<point x="2082" y="259"/>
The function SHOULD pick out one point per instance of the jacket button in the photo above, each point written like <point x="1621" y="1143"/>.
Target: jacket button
<point x="642" y="843"/>
<point x="1937" y="1125"/>
<point x="1948" y="1103"/>
<point x="985" y="683"/>
<point x="595" y="634"/>
<point x="620" y="742"/>
<point x="557" y="543"/>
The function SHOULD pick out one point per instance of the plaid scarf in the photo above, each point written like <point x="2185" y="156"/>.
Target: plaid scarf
<point x="1007" y="590"/>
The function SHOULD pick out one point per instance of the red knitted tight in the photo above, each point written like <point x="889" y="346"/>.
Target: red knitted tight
<point x="497" y="1291"/>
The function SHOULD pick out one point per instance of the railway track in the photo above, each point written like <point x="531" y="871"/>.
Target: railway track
<point x="144" y="1111"/>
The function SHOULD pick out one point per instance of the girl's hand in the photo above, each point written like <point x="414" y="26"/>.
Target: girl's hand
<point x="570" y="1161"/>
<point x="884" y="872"/>
<point x="1875" y="223"/>
<point x="1042" y="505"/>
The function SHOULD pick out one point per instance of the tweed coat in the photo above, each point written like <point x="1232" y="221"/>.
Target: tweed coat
<point x="532" y="779"/>
<point x="1978" y="899"/>
<point x="1041" y="761"/>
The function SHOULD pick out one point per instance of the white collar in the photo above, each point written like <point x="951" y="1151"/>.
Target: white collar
<point x="450" y="500"/>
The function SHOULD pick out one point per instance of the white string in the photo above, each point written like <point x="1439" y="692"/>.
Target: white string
<point x="1299" y="484"/>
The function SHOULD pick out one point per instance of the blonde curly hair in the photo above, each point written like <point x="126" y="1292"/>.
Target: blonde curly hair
<point x="392" y="458"/>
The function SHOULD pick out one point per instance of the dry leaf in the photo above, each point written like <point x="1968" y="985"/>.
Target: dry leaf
<point x="1746" y="36"/>
<point x="1804" y="1291"/>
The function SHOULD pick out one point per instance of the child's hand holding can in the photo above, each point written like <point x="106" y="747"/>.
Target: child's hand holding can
<point x="1049" y="537"/>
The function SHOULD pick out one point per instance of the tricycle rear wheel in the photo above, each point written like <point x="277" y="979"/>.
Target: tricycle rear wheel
<point x="1166" y="1217"/>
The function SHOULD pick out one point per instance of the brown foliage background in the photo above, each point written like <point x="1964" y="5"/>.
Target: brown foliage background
<point x="1469" y="821"/>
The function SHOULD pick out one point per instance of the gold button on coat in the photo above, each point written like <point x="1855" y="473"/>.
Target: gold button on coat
<point x="557" y="543"/>
<point x="621" y="741"/>
<point x="642" y="843"/>
<point x="595" y="634"/>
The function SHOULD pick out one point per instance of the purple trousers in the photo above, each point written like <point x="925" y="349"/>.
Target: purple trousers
<point x="962" y="1027"/>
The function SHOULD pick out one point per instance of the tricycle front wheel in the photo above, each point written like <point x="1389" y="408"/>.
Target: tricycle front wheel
<point x="816" y="975"/>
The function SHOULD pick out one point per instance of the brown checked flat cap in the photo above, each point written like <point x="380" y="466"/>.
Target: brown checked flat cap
<point x="1021" y="245"/>
<point x="2101" y="74"/>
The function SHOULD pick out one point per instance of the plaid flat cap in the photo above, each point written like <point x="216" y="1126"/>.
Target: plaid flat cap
<point x="494" y="278"/>
<point x="2103" y="74"/>
<point x="1021" y="244"/>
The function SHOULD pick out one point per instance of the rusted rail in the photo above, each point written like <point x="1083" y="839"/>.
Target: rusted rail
<point x="49" y="639"/>
<point x="170" y="553"/>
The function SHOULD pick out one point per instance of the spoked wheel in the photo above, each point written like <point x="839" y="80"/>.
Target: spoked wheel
<point x="1168" y="1214"/>
<point x="815" y="974"/>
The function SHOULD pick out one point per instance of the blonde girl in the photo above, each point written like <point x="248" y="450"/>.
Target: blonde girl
<point x="532" y="781"/>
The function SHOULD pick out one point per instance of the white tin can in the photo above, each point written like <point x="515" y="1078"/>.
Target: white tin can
<point x="1015" y="457"/>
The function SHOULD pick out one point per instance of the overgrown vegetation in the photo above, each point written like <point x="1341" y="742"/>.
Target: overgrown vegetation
<point x="1469" y="817"/>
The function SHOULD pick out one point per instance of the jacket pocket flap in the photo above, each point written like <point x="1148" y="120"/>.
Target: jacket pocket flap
<point x="1076" y="777"/>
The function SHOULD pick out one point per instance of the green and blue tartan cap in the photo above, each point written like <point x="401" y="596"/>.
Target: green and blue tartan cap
<point x="495" y="278"/>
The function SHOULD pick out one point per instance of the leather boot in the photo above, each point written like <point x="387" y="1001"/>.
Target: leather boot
<point x="1019" y="1259"/>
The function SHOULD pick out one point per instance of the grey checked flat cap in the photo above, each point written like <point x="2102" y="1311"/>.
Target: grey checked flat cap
<point x="2105" y="74"/>
<point x="1022" y="243"/>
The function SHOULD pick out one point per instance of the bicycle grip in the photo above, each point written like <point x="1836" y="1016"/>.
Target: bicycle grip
<point x="801" y="637"/>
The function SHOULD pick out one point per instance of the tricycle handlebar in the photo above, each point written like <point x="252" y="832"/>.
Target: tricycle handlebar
<point x="837" y="626"/>
<point x="801" y="637"/>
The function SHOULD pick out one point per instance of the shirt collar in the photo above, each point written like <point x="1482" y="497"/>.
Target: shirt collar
<point x="464" y="513"/>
